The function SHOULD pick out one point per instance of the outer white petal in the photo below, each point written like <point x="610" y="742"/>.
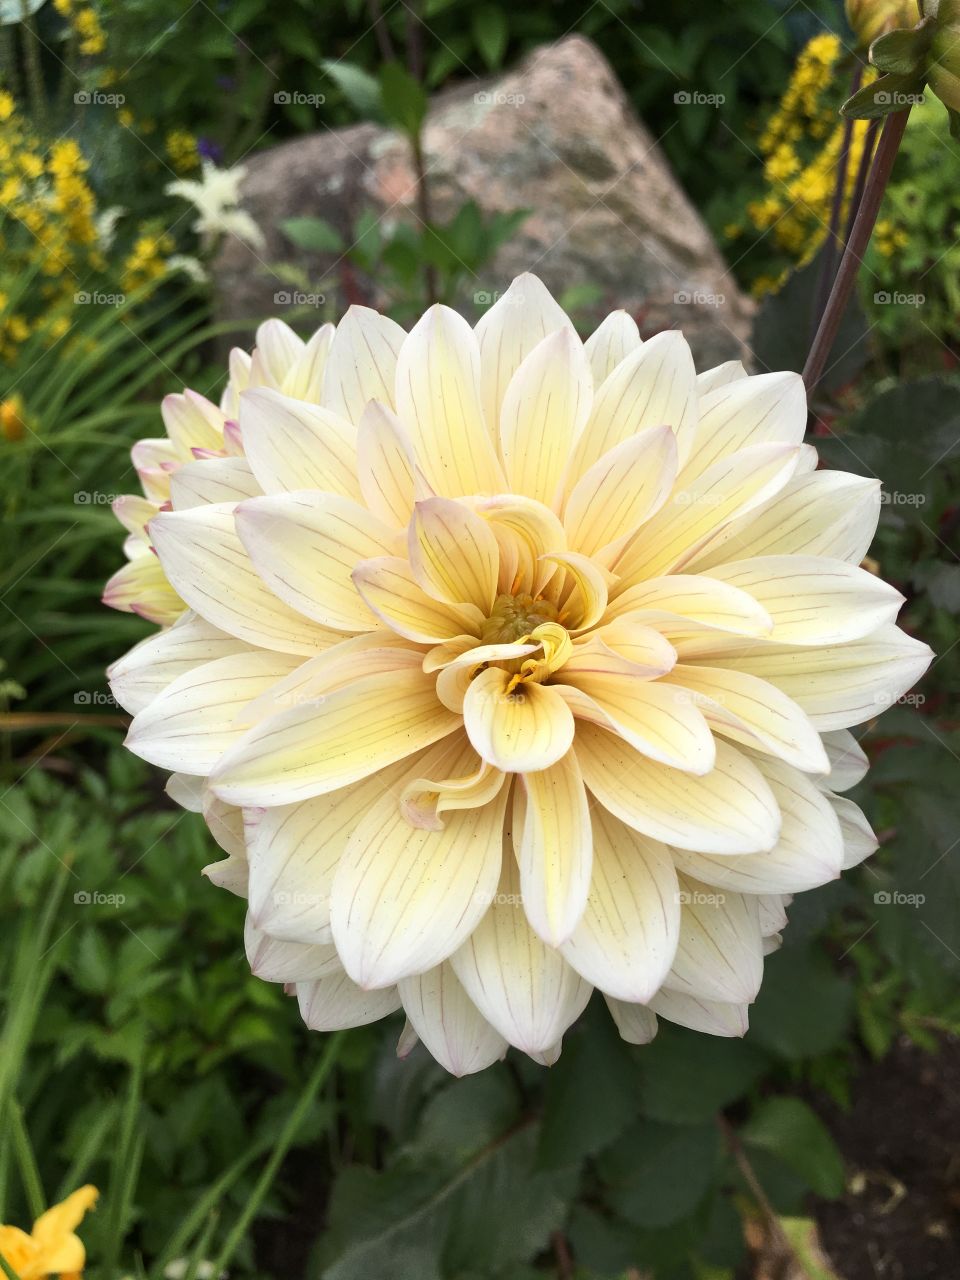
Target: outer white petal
<point x="710" y="1016"/>
<point x="720" y="952"/>
<point x="697" y="514"/>
<point x="521" y="986"/>
<point x="809" y="852"/>
<point x="859" y="841"/>
<point x="545" y="407"/>
<point x="449" y="1023"/>
<point x="304" y="379"/>
<point x="275" y="961"/>
<point x="361" y="365"/>
<point x="729" y="810"/>
<point x="386" y="466"/>
<point x="137" y="677"/>
<point x="306" y="545"/>
<point x="404" y="898"/>
<point x="627" y="937"/>
<point x="291" y="445"/>
<point x="814" y="599"/>
<point x="753" y="712"/>
<point x="719" y="376"/>
<point x="438" y="400"/>
<point x="848" y="760"/>
<point x="655" y="386"/>
<point x="194" y="720"/>
<point x="523" y="316"/>
<point x="294" y="852"/>
<point x="692" y="597"/>
<point x="842" y="684"/>
<point x="556" y="850"/>
<point x="615" y="338"/>
<point x="212" y="480"/>
<point x="821" y="513"/>
<point x="769" y="408"/>
<point x="636" y="1023"/>
<point x="322" y="746"/>
<point x="334" y="1003"/>
<point x="209" y="568"/>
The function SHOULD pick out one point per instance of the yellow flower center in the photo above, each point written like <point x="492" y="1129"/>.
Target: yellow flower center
<point x="514" y="617"/>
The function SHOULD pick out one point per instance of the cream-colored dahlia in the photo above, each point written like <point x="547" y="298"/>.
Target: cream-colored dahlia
<point x="514" y="666"/>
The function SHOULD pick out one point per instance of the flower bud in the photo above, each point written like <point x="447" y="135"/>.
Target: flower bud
<point x="871" y="18"/>
<point x="943" y="70"/>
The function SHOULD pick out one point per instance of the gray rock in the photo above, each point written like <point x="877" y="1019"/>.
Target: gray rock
<point x="556" y="136"/>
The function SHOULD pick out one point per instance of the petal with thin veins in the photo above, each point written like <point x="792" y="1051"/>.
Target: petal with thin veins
<point x="438" y="400"/>
<point x="212" y="480"/>
<point x="291" y="445"/>
<point x="385" y="465"/>
<point x="529" y="727"/>
<point x="616" y="337"/>
<point x="335" y="1003"/>
<point x="720" y="951"/>
<point x="626" y="939"/>
<point x="362" y="362"/>
<point x="453" y="553"/>
<point x="391" y="591"/>
<point x="404" y="898"/>
<point x="729" y="810"/>
<point x="555" y="853"/>
<point x="545" y="407"/>
<point x="449" y="1023"/>
<point x="306" y="545"/>
<point x="713" y="1017"/>
<point x="312" y="749"/>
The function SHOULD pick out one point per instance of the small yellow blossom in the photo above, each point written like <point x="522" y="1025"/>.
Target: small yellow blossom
<point x="7" y="106"/>
<point x="181" y="147"/>
<point x="53" y="1247"/>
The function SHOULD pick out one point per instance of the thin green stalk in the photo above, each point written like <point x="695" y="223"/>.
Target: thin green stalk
<point x="124" y="1173"/>
<point x="284" y="1142"/>
<point x="31" y="59"/>
<point x="8" y="1271"/>
<point x="29" y="1173"/>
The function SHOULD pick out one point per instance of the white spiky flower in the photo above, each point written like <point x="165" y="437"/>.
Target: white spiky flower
<point x="515" y="666"/>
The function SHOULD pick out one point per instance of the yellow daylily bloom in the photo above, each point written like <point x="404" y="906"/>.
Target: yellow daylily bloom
<point x="52" y="1248"/>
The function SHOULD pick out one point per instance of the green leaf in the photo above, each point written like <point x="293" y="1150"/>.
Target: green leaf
<point x="883" y="97"/>
<point x="686" y="1077"/>
<point x="314" y="234"/>
<point x="658" y="1173"/>
<point x="804" y="1007"/>
<point x="903" y="52"/>
<point x="579" y="1119"/>
<point x="490" y="33"/>
<point x="788" y="1129"/>
<point x="359" y="87"/>
<point x="403" y="98"/>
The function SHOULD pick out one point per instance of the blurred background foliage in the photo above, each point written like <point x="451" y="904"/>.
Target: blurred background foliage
<point x="136" y="1051"/>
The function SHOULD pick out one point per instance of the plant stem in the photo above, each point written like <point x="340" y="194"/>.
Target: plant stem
<point x="833" y="244"/>
<point x="856" y="246"/>
<point x="863" y="168"/>
<point x="382" y="32"/>
<point x="778" y="1237"/>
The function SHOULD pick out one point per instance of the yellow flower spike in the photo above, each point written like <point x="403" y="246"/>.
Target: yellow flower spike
<point x="52" y="1248"/>
<point x="12" y="425"/>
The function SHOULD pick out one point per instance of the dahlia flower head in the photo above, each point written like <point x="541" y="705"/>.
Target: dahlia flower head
<point x="505" y="666"/>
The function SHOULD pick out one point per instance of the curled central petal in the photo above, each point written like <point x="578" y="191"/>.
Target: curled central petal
<point x="509" y="666"/>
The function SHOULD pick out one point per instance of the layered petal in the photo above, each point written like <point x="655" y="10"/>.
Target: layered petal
<point x="362" y="363"/>
<point x="291" y="445"/>
<point x="449" y="1023"/>
<point x="517" y="729"/>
